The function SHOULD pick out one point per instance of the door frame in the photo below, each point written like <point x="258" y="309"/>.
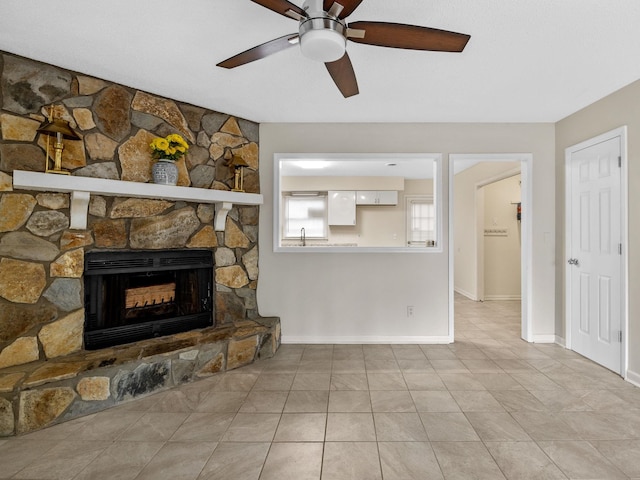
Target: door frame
<point x="624" y="234"/>
<point x="526" y="264"/>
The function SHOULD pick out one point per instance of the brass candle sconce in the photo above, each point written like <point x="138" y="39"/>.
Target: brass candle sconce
<point x="237" y="164"/>
<point x="60" y="129"/>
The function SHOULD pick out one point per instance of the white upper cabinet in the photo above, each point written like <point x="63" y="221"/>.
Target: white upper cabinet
<point x="376" y="197"/>
<point x="342" y="207"/>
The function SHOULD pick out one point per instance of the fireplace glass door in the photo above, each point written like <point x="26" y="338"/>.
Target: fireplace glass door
<point x="132" y="296"/>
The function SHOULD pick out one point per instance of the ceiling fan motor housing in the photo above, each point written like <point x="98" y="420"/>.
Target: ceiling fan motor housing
<point x="322" y="37"/>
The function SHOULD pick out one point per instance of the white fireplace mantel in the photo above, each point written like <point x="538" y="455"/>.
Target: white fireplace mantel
<point x="81" y="189"/>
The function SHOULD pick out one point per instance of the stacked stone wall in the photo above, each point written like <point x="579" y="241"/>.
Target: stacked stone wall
<point x="42" y="259"/>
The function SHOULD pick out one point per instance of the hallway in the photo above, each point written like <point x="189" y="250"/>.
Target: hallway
<point x="489" y="406"/>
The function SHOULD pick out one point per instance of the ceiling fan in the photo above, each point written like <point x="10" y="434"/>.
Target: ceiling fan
<point x="323" y="34"/>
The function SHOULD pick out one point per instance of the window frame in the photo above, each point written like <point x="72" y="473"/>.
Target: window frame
<point x="289" y="196"/>
<point x="423" y="199"/>
<point x="279" y="160"/>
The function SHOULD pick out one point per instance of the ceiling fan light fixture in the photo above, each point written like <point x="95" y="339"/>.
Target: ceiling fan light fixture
<point x="322" y="38"/>
<point x="323" y="45"/>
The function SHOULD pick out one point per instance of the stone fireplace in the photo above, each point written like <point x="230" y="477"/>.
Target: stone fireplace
<point x="50" y="235"/>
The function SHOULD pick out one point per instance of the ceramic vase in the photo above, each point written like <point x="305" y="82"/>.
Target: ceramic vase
<point x="165" y="172"/>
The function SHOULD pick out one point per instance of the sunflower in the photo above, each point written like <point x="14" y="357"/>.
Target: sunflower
<point x="171" y="147"/>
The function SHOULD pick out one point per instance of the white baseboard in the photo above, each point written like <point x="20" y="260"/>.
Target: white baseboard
<point x="465" y="294"/>
<point x="544" y="339"/>
<point x="560" y="341"/>
<point x="427" y="340"/>
<point x="502" y="297"/>
<point x="633" y="377"/>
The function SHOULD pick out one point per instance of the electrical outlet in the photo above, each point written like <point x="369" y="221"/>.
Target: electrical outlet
<point x="410" y="310"/>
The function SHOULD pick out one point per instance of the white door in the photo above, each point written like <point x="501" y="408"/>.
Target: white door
<point x="594" y="263"/>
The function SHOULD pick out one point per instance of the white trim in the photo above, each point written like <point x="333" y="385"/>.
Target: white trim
<point x="560" y="341"/>
<point x="526" y="164"/>
<point x="301" y="339"/>
<point x="277" y="204"/>
<point x="334" y="249"/>
<point x="466" y="294"/>
<point x="624" y="234"/>
<point x="488" y="298"/>
<point x="544" y="339"/>
<point x="633" y="378"/>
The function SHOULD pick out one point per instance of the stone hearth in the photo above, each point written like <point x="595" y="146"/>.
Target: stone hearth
<point x="46" y="375"/>
<point x="53" y="391"/>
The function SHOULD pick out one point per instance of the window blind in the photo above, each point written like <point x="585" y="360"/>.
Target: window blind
<point x="305" y="212"/>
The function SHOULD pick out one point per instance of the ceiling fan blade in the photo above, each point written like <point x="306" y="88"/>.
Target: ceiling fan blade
<point x="399" y="35"/>
<point x="343" y="75"/>
<point x="349" y="6"/>
<point x="280" y="6"/>
<point x="261" y="51"/>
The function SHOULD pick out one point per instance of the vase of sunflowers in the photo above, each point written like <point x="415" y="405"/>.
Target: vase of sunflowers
<point x="166" y="150"/>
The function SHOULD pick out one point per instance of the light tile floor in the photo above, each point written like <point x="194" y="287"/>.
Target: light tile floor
<point x="490" y="406"/>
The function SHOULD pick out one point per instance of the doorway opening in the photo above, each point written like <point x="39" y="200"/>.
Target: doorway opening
<point x="471" y="231"/>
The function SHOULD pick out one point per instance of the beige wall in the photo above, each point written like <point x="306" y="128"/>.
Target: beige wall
<point x="502" y="253"/>
<point x="618" y="109"/>
<point x="363" y="296"/>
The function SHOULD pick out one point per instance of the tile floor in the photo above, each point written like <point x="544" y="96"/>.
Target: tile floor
<point x="487" y="407"/>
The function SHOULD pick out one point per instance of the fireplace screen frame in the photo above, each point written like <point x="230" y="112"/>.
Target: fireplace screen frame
<point x="108" y="320"/>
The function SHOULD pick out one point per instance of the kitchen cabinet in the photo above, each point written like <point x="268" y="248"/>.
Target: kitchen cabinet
<point x="342" y="207"/>
<point x="376" y="197"/>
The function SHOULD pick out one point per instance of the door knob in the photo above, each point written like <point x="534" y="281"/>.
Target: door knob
<point x="573" y="261"/>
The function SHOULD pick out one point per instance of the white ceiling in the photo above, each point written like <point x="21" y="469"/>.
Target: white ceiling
<point x="411" y="166"/>
<point x="527" y="60"/>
